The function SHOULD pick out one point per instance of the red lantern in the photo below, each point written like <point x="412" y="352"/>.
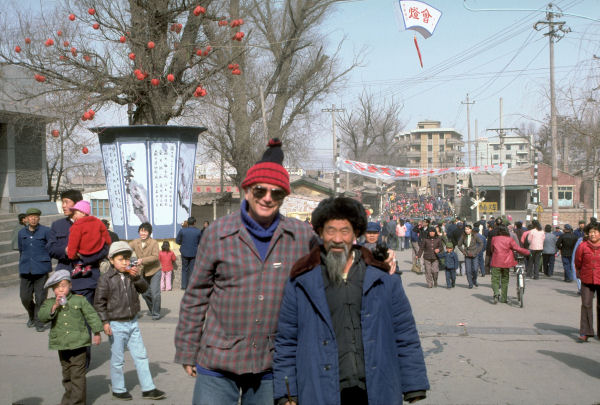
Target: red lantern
<point x="86" y="58"/>
<point x="66" y="44"/>
<point x="96" y="26"/>
<point x="230" y="66"/>
<point x="223" y="23"/>
<point x="132" y="56"/>
<point x="85" y="150"/>
<point x="171" y="77"/>
<point x="55" y="133"/>
<point x="199" y="10"/>
<point x="208" y="48"/>
<point x="155" y="82"/>
<point x="49" y="42"/>
<point x="59" y="33"/>
<point x="122" y="39"/>
<point x="28" y="40"/>
<point x="39" y="78"/>
<point x="72" y="17"/>
<point x="17" y="49"/>
<point x="151" y="45"/>
<point x="91" y="11"/>
<point x="199" y="52"/>
<point x="74" y="51"/>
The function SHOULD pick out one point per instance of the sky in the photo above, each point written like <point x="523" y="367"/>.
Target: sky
<point x="487" y="54"/>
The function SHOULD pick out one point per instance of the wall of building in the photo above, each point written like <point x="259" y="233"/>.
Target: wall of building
<point x="564" y="179"/>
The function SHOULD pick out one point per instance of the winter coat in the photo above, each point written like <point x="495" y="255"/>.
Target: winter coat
<point x="87" y="236"/>
<point x="166" y="260"/>
<point x="566" y="243"/>
<point x="306" y="351"/>
<point x="189" y="239"/>
<point x="117" y="299"/>
<point x="148" y="254"/>
<point x="536" y="239"/>
<point x="427" y="248"/>
<point x="502" y="252"/>
<point x="450" y="260"/>
<point x="68" y="330"/>
<point x="550" y="244"/>
<point x="34" y="258"/>
<point x="587" y="262"/>
<point x="475" y="246"/>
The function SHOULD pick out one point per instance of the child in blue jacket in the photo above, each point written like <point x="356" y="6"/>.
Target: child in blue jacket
<point x="450" y="260"/>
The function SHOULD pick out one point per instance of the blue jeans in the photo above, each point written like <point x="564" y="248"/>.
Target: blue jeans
<point x="187" y="265"/>
<point x="450" y="277"/>
<point x="210" y="390"/>
<point x="471" y="264"/>
<point x="127" y="333"/>
<point x="152" y="294"/>
<point x="566" y="262"/>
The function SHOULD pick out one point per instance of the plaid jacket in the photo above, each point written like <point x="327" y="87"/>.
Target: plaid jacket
<point x="228" y="315"/>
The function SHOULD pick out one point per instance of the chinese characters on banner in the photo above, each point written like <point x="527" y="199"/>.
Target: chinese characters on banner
<point x="390" y="174"/>
<point x="418" y="16"/>
<point x="163" y="181"/>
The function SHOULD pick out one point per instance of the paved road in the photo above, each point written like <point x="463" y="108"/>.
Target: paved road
<point x="476" y="352"/>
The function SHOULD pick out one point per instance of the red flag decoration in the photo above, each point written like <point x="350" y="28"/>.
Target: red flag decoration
<point x="418" y="52"/>
<point x="417" y="16"/>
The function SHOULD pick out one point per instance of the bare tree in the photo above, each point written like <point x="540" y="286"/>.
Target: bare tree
<point x="284" y="57"/>
<point x="367" y="131"/>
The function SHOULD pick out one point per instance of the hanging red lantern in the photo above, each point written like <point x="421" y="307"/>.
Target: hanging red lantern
<point x="85" y="150"/>
<point x="223" y="23"/>
<point x="59" y="33"/>
<point x="55" y="133"/>
<point x="155" y="82"/>
<point x="122" y="39"/>
<point x="39" y="78"/>
<point x="72" y="17"/>
<point x="96" y="26"/>
<point x="49" y="42"/>
<point x="17" y="49"/>
<point x="91" y="11"/>
<point x="86" y="58"/>
<point x="132" y="56"/>
<point x="74" y="51"/>
<point x="170" y="77"/>
<point x="66" y="44"/>
<point x="199" y="10"/>
<point x="151" y="45"/>
<point x="27" y="40"/>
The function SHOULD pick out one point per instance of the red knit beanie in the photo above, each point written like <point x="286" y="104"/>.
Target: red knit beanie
<point x="269" y="169"/>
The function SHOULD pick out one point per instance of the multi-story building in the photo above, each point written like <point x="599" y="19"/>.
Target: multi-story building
<point x="516" y="151"/>
<point x="430" y="146"/>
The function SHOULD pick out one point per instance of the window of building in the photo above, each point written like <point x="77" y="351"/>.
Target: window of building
<point x="508" y="157"/>
<point x="100" y="208"/>
<point x="496" y="147"/>
<point x="521" y="147"/>
<point x="441" y="136"/>
<point x="495" y="157"/>
<point x="429" y="148"/>
<point x="565" y="196"/>
<point x="430" y="160"/>
<point x="421" y="126"/>
<point x="508" y="147"/>
<point x="441" y="148"/>
<point x="429" y="136"/>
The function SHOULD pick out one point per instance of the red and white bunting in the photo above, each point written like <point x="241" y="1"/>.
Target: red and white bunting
<point x="390" y="174"/>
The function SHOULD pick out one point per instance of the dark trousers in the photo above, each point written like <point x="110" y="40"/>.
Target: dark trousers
<point x="450" y="277"/>
<point x="586" y="325"/>
<point x="88" y="293"/>
<point x="533" y="264"/>
<point x="354" y="396"/>
<point x="187" y="265"/>
<point x="548" y="263"/>
<point x="471" y="264"/>
<point x="73" y="371"/>
<point x="481" y="261"/>
<point x="33" y="294"/>
<point x="566" y="262"/>
<point x="152" y="294"/>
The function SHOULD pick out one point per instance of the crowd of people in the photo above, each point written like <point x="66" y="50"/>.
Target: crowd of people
<point x="276" y="310"/>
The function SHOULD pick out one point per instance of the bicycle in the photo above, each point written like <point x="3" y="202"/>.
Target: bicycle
<point x="520" y="272"/>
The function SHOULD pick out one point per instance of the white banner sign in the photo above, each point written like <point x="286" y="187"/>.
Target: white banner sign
<point x="390" y="174"/>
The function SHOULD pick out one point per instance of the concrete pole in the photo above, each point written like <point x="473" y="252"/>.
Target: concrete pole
<point x="468" y="130"/>
<point x="476" y="146"/>
<point x="595" y="185"/>
<point x="553" y="124"/>
<point x="502" y="188"/>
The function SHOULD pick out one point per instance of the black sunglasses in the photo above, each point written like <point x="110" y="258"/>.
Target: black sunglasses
<point x="277" y="194"/>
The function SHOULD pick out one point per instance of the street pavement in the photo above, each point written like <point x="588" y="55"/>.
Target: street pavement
<point x="476" y="352"/>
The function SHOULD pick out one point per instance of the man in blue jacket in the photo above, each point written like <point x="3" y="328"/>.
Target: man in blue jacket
<point x="34" y="266"/>
<point x="346" y="333"/>
<point x="189" y="239"/>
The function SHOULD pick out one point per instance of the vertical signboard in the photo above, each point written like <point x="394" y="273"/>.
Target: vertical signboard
<point x="149" y="176"/>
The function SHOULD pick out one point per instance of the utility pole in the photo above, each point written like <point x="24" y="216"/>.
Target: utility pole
<point x="501" y="134"/>
<point x="476" y="147"/>
<point x="556" y="30"/>
<point x="336" y="152"/>
<point x="468" y="130"/>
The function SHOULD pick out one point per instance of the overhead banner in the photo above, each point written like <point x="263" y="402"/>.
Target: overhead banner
<point x="390" y="174"/>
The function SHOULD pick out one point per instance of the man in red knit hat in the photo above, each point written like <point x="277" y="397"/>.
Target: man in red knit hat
<point x="242" y="264"/>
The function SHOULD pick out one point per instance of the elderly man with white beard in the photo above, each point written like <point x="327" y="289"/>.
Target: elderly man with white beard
<point x="346" y="333"/>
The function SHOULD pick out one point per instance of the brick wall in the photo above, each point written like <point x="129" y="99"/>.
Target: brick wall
<point x="564" y="179"/>
<point x="566" y="216"/>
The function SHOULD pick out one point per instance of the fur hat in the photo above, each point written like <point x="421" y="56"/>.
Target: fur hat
<point x="269" y="169"/>
<point x="340" y="208"/>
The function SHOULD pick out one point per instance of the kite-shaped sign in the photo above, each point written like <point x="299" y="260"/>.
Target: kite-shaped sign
<point x="418" y="16"/>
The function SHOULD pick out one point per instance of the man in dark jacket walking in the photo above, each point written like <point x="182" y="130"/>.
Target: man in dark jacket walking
<point x="337" y="297"/>
<point x="34" y="266"/>
<point x="189" y="239"/>
<point x="565" y="243"/>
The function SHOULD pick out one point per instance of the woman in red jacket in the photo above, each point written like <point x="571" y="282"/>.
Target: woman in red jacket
<point x="503" y="246"/>
<point x="587" y="265"/>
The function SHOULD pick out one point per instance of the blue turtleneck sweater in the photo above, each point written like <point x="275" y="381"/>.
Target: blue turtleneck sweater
<point x="260" y="236"/>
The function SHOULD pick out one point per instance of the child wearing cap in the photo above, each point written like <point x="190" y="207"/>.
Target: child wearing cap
<point x="450" y="259"/>
<point x="118" y="304"/>
<point x="69" y="314"/>
<point x="87" y="237"/>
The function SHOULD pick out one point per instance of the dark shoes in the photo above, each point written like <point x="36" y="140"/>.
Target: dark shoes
<point x="496" y="299"/>
<point x="42" y="328"/>
<point x="153" y="394"/>
<point x="124" y="396"/>
<point x="30" y="323"/>
<point x="583" y="338"/>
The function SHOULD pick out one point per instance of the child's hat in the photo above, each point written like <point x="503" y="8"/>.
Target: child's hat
<point x="83" y="206"/>
<point x="57" y="277"/>
<point x="118" y="247"/>
<point x="449" y="245"/>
